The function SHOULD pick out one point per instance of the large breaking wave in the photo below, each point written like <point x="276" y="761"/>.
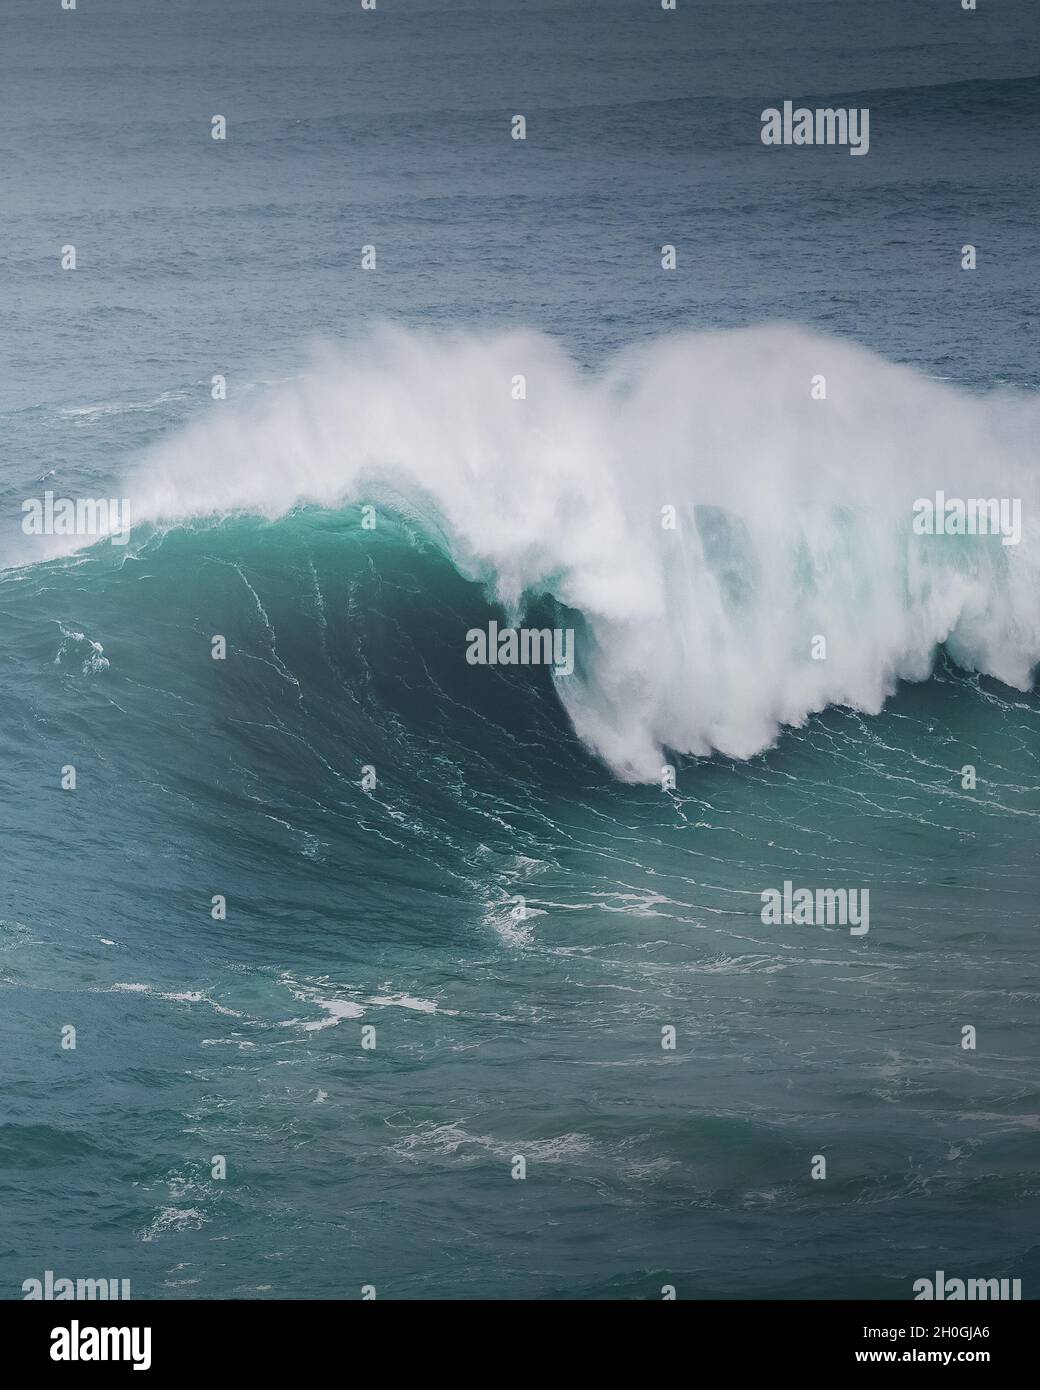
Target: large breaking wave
<point x="793" y="514"/>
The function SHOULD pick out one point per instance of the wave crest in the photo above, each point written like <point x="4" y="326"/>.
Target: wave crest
<point x="793" y="515"/>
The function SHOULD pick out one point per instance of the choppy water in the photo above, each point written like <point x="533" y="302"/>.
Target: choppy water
<point x="394" y="906"/>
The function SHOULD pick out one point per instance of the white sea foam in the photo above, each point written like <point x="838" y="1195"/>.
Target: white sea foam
<point x="191" y="996"/>
<point x="452" y="1140"/>
<point x="335" y="1011"/>
<point x="409" y="1001"/>
<point x="174" y="1219"/>
<point x="90" y="654"/>
<point x="794" y="514"/>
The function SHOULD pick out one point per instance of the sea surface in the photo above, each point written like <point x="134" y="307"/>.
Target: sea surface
<point x="518" y="906"/>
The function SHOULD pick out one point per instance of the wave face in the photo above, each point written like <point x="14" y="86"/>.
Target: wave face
<point x="793" y="515"/>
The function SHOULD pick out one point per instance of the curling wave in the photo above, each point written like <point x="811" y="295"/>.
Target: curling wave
<point x="793" y="515"/>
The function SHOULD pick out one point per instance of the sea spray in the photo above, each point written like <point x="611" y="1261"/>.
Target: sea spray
<point x="696" y="501"/>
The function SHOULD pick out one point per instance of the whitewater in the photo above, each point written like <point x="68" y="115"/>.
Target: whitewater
<point x="792" y="515"/>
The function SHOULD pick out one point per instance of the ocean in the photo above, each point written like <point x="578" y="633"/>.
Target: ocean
<point x="389" y="971"/>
